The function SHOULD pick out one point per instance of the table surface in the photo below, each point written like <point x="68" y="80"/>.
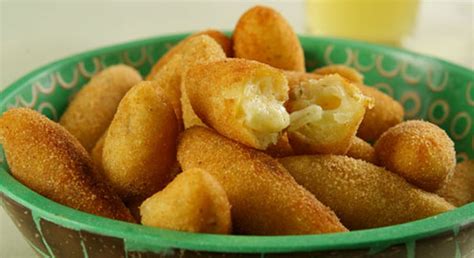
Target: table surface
<point x="34" y="33"/>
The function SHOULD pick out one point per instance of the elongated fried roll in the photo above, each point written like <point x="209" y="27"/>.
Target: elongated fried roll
<point x="49" y="160"/>
<point x="140" y="146"/>
<point x="194" y="201"/>
<point x="241" y="99"/>
<point x="325" y="115"/>
<point x="362" y="194"/>
<point x="196" y="50"/>
<point x="262" y="34"/>
<point x="265" y="199"/>
<point x="93" y="108"/>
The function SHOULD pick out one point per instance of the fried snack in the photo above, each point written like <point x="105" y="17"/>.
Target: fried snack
<point x="196" y="50"/>
<point x="140" y="146"/>
<point x="349" y="73"/>
<point x="46" y="158"/>
<point x="280" y="149"/>
<point x="224" y="41"/>
<point x="241" y="99"/>
<point x="200" y="51"/>
<point x="459" y="189"/>
<point x="194" y="201"/>
<point x="265" y="199"/>
<point x="325" y="115"/>
<point x="361" y="149"/>
<point x="262" y="34"/>
<point x="419" y="151"/>
<point x="90" y="112"/>
<point x="385" y="113"/>
<point x="362" y="194"/>
<point x="296" y="78"/>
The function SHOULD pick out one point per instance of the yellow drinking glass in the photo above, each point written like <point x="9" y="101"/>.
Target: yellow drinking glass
<point x="380" y="21"/>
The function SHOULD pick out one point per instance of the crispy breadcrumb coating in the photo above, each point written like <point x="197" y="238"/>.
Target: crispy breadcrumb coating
<point x="140" y="146"/>
<point x="265" y="199"/>
<point x="385" y="113"/>
<point x="194" y="202"/>
<point x="419" y="151"/>
<point x="459" y="189"/>
<point x="241" y="99"/>
<point x="92" y="109"/>
<point x="46" y="158"/>
<point x="361" y="149"/>
<point x="224" y="41"/>
<point x="262" y="34"/>
<point x="362" y="194"/>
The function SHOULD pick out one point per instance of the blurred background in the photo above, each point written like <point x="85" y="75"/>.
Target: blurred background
<point x="36" y="32"/>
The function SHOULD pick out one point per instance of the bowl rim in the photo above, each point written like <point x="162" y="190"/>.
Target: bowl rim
<point x="139" y="237"/>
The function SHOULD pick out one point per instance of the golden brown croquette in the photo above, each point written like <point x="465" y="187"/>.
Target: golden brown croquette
<point x="46" y="158"/>
<point x="362" y="194"/>
<point x="265" y="199"/>
<point x="194" y="202"/>
<point x="92" y="109"/>
<point x="263" y="35"/>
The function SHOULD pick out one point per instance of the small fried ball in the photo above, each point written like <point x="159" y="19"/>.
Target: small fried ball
<point x="419" y="151"/>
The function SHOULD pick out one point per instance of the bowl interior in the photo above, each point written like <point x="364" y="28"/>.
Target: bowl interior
<point x="428" y="88"/>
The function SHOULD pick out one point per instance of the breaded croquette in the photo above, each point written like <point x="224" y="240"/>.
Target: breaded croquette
<point x="362" y="194"/>
<point x="199" y="51"/>
<point x="459" y="189"/>
<point x="265" y="199"/>
<point x="196" y="50"/>
<point x="361" y="149"/>
<point x="325" y="115"/>
<point x="90" y="112"/>
<point x="349" y="73"/>
<point x="241" y="99"/>
<point x="49" y="160"/>
<point x="419" y="151"/>
<point x="263" y="35"/>
<point x="140" y="146"/>
<point x="194" y="201"/>
<point x="224" y="41"/>
<point x="386" y="112"/>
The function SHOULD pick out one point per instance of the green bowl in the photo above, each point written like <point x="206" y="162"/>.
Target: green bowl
<point x="428" y="88"/>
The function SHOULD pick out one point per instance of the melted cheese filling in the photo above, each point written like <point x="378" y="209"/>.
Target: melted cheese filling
<point x="322" y="105"/>
<point x="262" y="111"/>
